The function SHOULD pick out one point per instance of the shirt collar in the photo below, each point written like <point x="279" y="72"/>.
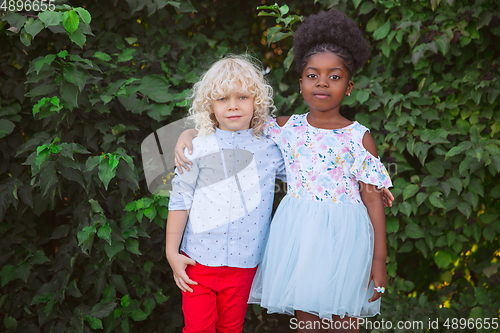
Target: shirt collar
<point x="230" y="134"/>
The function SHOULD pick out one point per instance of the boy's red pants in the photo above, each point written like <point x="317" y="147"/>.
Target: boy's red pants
<point x="218" y="302"/>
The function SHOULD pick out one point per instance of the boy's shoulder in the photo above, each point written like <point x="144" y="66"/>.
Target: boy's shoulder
<point x="203" y="145"/>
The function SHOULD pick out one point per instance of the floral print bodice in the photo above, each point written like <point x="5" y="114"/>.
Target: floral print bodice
<point x="324" y="164"/>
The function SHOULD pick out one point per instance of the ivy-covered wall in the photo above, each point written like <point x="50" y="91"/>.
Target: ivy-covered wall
<point x="82" y="239"/>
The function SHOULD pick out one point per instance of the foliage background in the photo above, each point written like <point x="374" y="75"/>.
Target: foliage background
<point x="81" y="238"/>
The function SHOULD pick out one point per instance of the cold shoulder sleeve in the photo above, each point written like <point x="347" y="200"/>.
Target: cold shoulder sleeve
<point x="370" y="170"/>
<point x="366" y="167"/>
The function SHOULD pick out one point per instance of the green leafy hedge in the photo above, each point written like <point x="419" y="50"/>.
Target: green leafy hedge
<point x="81" y="238"/>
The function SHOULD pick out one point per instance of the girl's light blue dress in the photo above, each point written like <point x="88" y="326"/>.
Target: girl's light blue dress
<point x="320" y="247"/>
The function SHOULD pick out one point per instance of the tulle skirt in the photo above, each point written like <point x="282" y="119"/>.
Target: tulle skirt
<point x="318" y="260"/>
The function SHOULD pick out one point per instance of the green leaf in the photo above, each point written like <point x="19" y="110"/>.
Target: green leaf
<point x="39" y="258"/>
<point x="96" y="207"/>
<point x="148" y="266"/>
<point x="455" y="184"/>
<point x="104" y="232"/>
<point x="489" y="234"/>
<point x="8" y="273"/>
<point x="477" y="313"/>
<point x="476" y="186"/>
<point x="362" y="96"/>
<point x="421" y="198"/>
<point x="366" y="7"/>
<point x="102" y="56"/>
<point x="48" y="177"/>
<point x="84" y="15"/>
<point x="392" y="224"/>
<point x="60" y="232"/>
<point x="466" y="164"/>
<point x="75" y="76"/>
<point x="125" y="325"/>
<point x="435" y="168"/>
<point x="69" y="93"/>
<point x="85" y="233"/>
<point x="150" y="212"/>
<point x="430" y="181"/>
<point x="156" y="88"/>
<point x="436" y="200"/>
<point x="382" y="31"/>
<point x="125" y="301"/>
<point x="95" y="323"/>
<point x="23" y="271"/>
<point x="138" y="315"/>
<point x="405" y="208"/>
<point x="162" y="211"/>
<point x="25" y="37"/>
<point x="465" y="208"/>
<point x="126" y="55"/>
<point x="442" y="259"/>
<point x="47" y="60"/>
<point x="50" y="18"/>
<point x="105" y="173"/>
<point x="40" y="106"/>
<point x="10" y="323"/>
<point x="91" y="163"/>
<point x="410" y="191"/>
<point x="414" y="231"/>
<point x="356" y="3"/>
<point x="70" y="21"/>
<point x="406" y="247"/>
<point x="78" y="37"/>
<point x="6" y="127"/>
<point x="42" y="298"/>
<point x="113" y="249"/>
<point x="132" y="246"/>
<point x="459" y="149"/>
<point x="35" y="28"/>
<point x="102" y="310"/>
<point x="284" y="10"/>
<point x="160" y="298"/>
<point x="482" y="296"/>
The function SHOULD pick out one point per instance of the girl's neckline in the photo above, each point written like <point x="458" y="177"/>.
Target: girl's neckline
<point x="328" y="129"/>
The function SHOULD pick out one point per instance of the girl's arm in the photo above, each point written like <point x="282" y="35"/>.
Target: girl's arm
<point x="372" y="199"/>
<point x="185" y="141"/>
<point x="176" y="223"/>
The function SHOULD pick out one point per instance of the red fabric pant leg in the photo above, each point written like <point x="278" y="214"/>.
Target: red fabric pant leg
<point x="219" y="302"/>
<point x="232" y="298"/>
<point x="200" y="306"/>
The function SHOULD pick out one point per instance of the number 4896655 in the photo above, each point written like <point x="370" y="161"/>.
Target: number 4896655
<point x="471" y="323"/>
<point x="27" y="5"/>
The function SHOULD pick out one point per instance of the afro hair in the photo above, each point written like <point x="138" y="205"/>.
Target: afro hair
<point x="331" y="31"/>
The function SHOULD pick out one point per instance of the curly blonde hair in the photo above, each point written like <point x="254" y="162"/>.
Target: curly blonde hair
<point x="233" y="73"/>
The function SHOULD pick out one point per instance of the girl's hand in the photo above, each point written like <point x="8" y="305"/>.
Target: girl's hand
<point x="185" y="141"/>
<point x="179" y="262"/>
<point x="379" y="277"/>
<point x="387" y="197"/>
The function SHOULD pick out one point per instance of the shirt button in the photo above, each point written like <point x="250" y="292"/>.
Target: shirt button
<point x="231" y="243"/>
<point x="234" y="210"/>
<point x="234" y="134"/>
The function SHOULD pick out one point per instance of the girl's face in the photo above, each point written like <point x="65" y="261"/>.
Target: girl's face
<point x="234" y="111"/>
<point x="325" y="82"/>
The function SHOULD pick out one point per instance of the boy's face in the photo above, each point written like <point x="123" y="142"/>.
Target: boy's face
<point x="234" y="111"/>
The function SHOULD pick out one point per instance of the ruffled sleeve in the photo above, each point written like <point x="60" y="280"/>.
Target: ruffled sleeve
<point x="370" y="170"/>
<point x="271" y="129"/>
